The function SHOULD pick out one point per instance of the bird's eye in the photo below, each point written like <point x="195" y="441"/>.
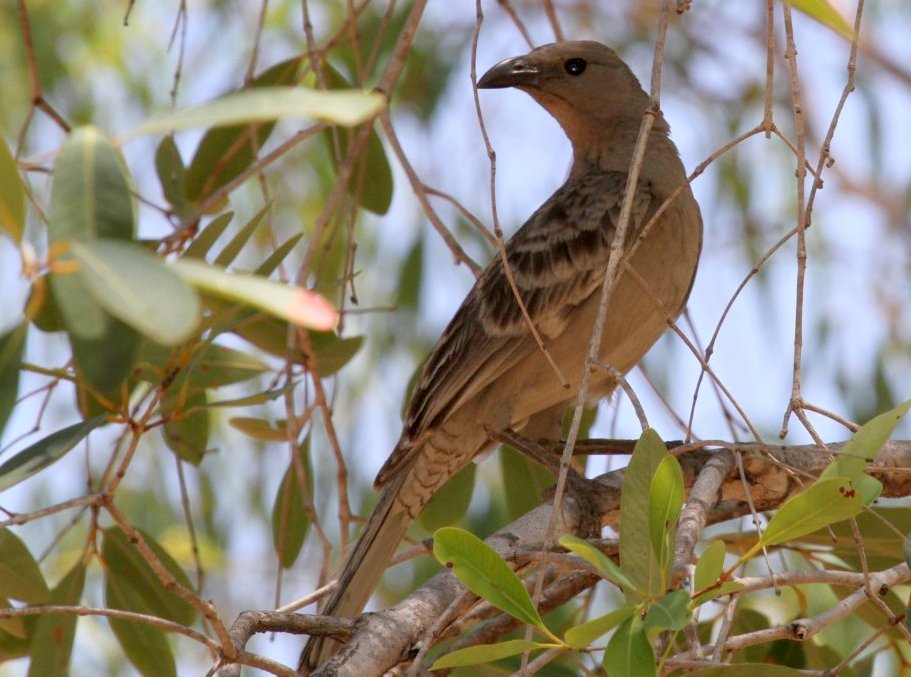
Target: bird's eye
<point x="575" y="66"/>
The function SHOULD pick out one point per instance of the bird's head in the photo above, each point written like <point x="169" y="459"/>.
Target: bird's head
<point x="583" y="84"/>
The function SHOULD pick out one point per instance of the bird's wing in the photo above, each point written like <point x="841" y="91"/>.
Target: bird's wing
<point x="558" y="259"/>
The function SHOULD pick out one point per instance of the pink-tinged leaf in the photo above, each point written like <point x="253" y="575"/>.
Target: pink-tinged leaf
<point x="309" y="309"/>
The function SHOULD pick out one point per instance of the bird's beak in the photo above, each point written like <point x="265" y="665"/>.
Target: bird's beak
<point x="514" y="72"/>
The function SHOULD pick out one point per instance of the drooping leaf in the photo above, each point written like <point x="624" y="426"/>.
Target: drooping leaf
<point x="20" y="576"/>
<point x="125" y="565"/>
<point x="145" y="646"/>
<point x="43" y="309"/>
<point x="636" y="556"/>
<point x="212" y="366"/>
<point x="12" y="195"/>
<point x="52" y="637"/>
<point x="629" y="653"/>
<point x="171" y="173"/>
<point x="103" y="365"/>
<point x="450" y="502"/>
<point x="45" y="451"/>
<point x="139" y="289"/>
<point x="294" y="304"/>
<point x="290" y="522"/>
<point x="486" y="653"/>
<point x="371" y="178"/>
<point x="580" y="636"/>
<point x="260" y="428"/>
<point x="483" y="571"/>
<point x="12" y="347"/>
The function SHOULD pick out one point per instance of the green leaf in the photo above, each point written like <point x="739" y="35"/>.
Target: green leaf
<point x="186" y="434"/>
<point x="332" y="352"/>
<point x="486" y="653"/>
<point x="906" y="548"/>
<point x="450" y="502"/>
<point x="290" y="522"/>
<point x="524" y="481"/>
<point x="293" y="304"/>
<point x="171" y="174"/>
<point x="710" y="566"/>
<point x="103" y="365"/>
<point x="231" y="250"/>
<point x="824" y="13"/>
<point x="483" y="571"/>
<point x="203" y="242"/>
<point x="213" y="366"/>
<point x="52" y="638"/>
<point x="144" y="593"/>
<point x="371" y="178"/>
<point x="600" y="561"/>
<point x="47" y="315"/>
<point x="672" y="612"/>
<point x="580" y="636"/>
<point x="824" y="502"/>
<point x="12" y="625"/>
<point x="665" y="500"/>
<point x="629" y="651"/>
<point x="726" y="588"/>
<point x="91" y="192"/>
<point x="409" y="285"/>
<point x="139" y="289"/>
<point x="12" y="346"/>
<point x="863" y="446"/>
<point x="637" y="558"/>
<point x="750" y="669"/>
<point x="263" y="104"/>
<point x="12" y="194"/>
<point x="20" y="577"/>
<point x="225" y="152"/>
<point x="878" y="526"/>
<point x="260" y="428"/>
<point x="44" y="452"/>
<point x="275" y="259"/>
<point x="146" y="646"/>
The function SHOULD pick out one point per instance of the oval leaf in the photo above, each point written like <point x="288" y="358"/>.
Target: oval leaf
<point x="450" y="501"/>
<point x="139" y="289"/>
<point x="290" y="522"/>
<point x="146" y="647"/>
<point x="20" y="577"/>
<point x="672" y="612"/>
<point x="629" y="652"/>
<point x="12" y="194"/>
<point x="52" y="637"/>
<point x="12" y="346"/>
<point x="637" y="558"/>
<point x="135" y="583"/>
<point x="709" y="566"/>
<point x="665" y="500"/>
<point x="483" y="571"/>
<point x="91" y="192"/>
<point x="44" y="452"/>
<point x="863" y="446"/>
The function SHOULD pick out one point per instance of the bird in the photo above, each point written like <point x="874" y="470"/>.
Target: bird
<point x="487" y="372"/>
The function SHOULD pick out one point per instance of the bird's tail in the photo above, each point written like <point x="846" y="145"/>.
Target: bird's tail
<point x="363" y="568"/>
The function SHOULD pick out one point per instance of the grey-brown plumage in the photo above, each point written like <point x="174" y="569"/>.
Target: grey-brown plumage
<point x="486" y="371"/>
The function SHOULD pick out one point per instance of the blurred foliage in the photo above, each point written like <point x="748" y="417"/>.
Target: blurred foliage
<point x="224" y="440"/>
